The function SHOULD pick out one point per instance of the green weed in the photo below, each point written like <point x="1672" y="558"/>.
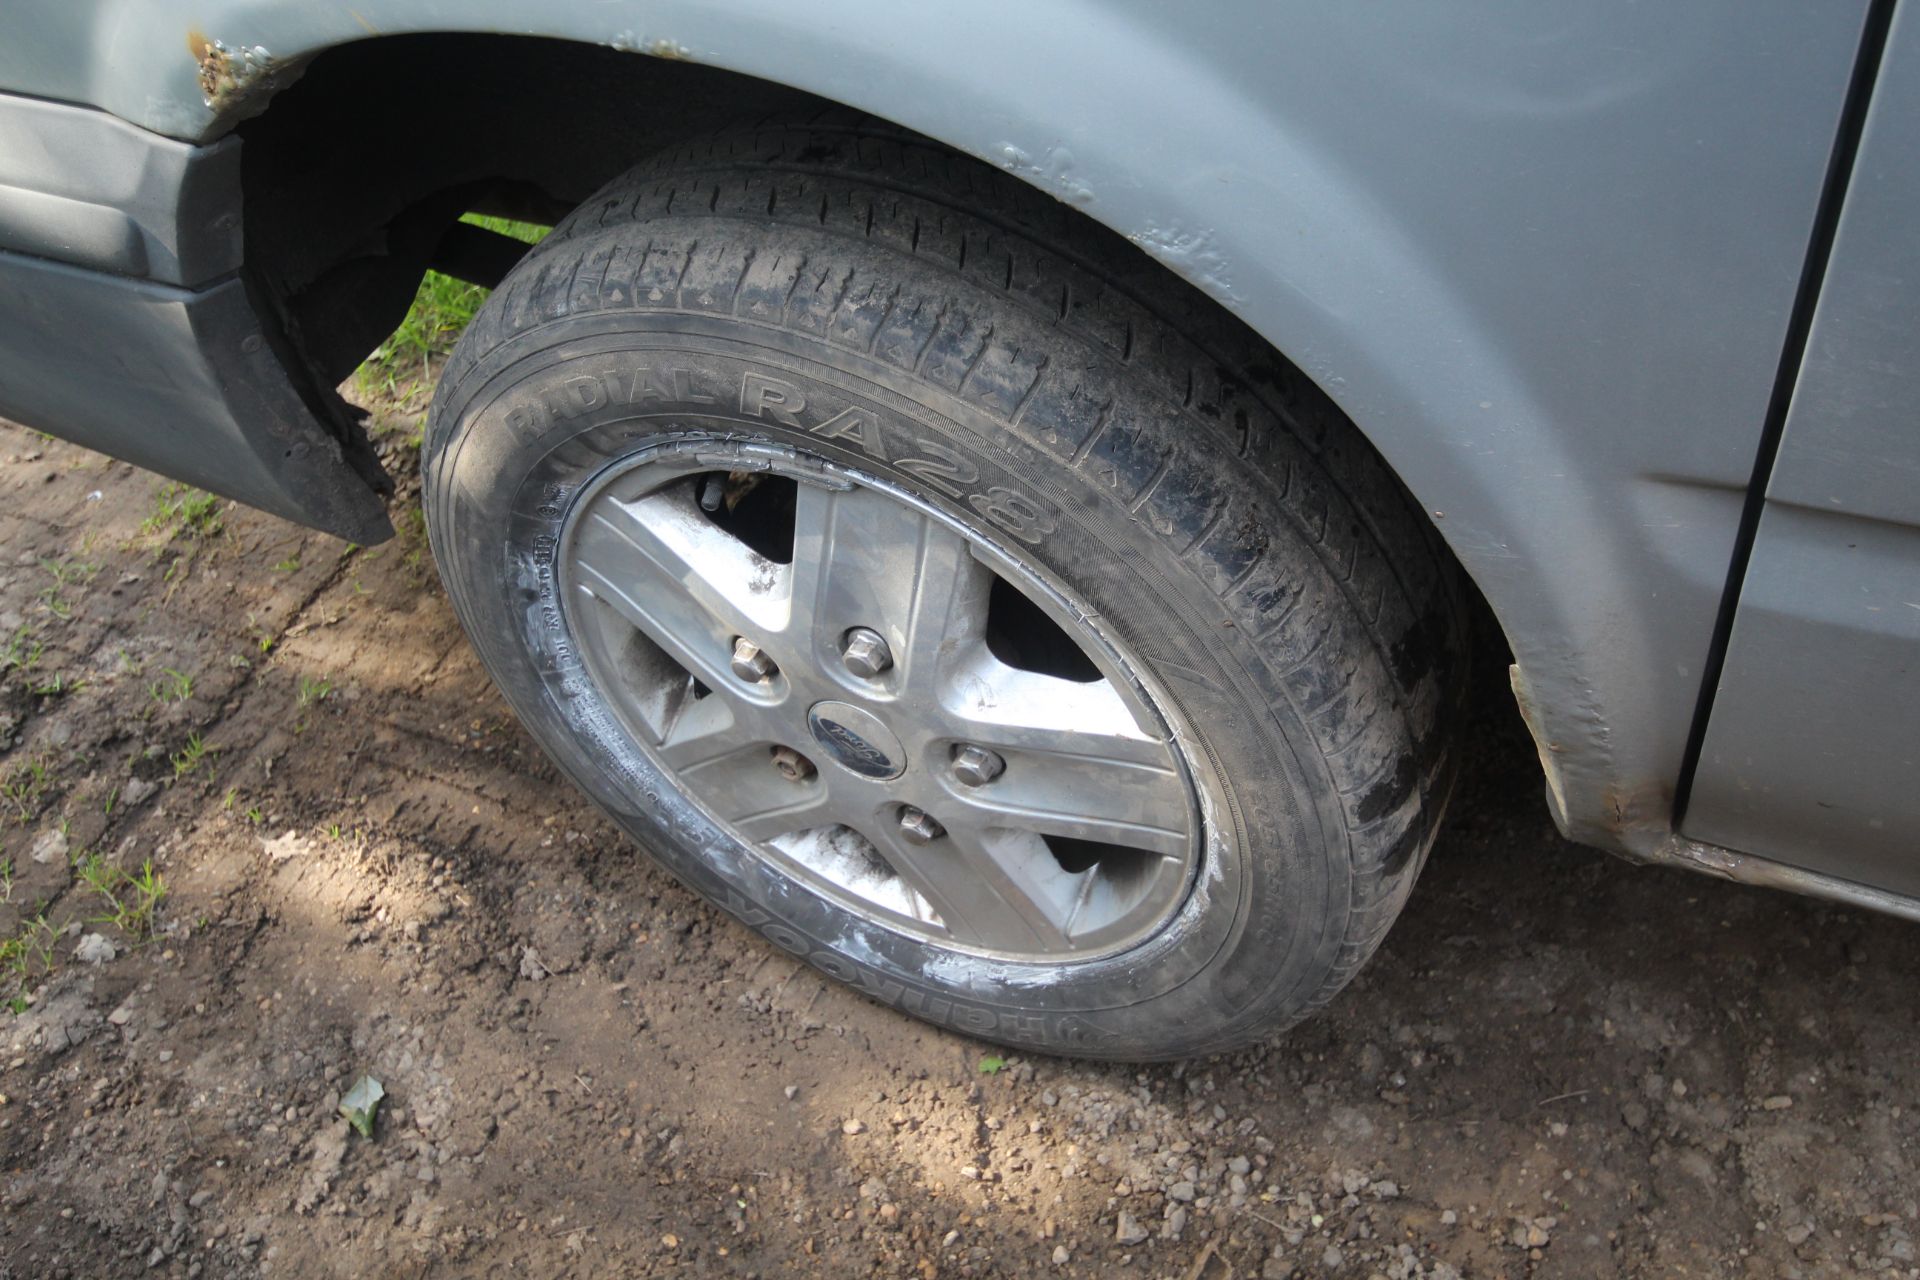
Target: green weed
<point x="442" y="307"/>
<point x="66" y="573"/>
<point x="130" y="898"/>
<point x="22" y="788"/>
<point x="189" y="758"/>
<point x="181" y="510"/>
<point x="173" y="686"/>
<point x="28" y="951"/>
<point x="22" y="651"/>
<point x="312" y="691"/>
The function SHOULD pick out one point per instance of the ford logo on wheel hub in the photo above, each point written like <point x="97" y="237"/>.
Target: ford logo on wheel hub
<point x="856" y="740"/>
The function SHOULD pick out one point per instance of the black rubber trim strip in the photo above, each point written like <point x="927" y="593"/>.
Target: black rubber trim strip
<point x="1806" y="300"/>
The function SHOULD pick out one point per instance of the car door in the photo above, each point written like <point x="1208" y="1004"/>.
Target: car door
<point x="1812" y="748"/>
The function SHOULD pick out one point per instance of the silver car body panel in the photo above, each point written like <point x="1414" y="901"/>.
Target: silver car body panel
<point x="1544" y="252"/>
<point x="1812" y="754"/>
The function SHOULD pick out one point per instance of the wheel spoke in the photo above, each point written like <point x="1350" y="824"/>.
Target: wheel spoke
<point x="989" y="702"/>
<point x="742" y="787"/>
<point x="991" y="888"/>
<point x="689" y="585"/>
<point x="864" y="559"/>
<point x="707" y="729"/>
<point x="1086" y="798"/>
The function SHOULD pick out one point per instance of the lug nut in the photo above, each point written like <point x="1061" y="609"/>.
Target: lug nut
<point x="976" y="766"/>
<point x="918" y="826"/>
<point x="750" y="661"/>
<point x="793" y="766"/>
<point x="865" y="653"/>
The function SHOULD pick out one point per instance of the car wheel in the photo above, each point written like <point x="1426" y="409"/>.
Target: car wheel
<point x="935" y="587"/>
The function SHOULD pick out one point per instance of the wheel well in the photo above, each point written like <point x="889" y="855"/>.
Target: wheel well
<point x="352" y="174"/>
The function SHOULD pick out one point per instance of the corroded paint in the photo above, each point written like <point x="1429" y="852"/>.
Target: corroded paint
<point x="226" y="74"/>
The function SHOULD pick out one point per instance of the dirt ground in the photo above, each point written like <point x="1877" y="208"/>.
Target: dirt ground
<point x="1560" y="1065"/>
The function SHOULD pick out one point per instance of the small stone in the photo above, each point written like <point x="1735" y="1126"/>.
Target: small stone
<point x="530" y="967"/>
<point x="1183" y="1191"/>
<point x="1176" y="1222"/>
<point x="1530" y="1235"/>
<point x="852" y="1127"/>
<point x="1799" y="1233"/>
<point x="670" y="1241"/>
<point x="1060" y="1255"/>
<point x="792" y="1091"/>
<point x="1332" y="1257"/>
<point x="51" y="846"/>
<point x="1127" y="1230"/>
<point x="94" y="949"/>
<point x="136" y="790"/>
<point x="1239" y="1164"/>
<point x="1448" y="1218"/>
<point x="1778" y="1102"/>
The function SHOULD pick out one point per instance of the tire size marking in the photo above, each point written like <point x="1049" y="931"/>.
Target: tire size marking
<point x="940" y="467"/>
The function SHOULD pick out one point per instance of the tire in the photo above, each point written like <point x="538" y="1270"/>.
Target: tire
<point x="1189" y="510"/>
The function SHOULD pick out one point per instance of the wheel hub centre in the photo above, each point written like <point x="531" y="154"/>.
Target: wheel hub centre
<point x="856" y="740"/>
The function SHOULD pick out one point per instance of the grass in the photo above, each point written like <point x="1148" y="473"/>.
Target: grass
<point x="312" y="691"/>
<point x="28" y="951"/>
<point x="66" y="573"/>
<point x="130" y="898"/>
<point x="172" y="686"/>
<point x="441" y="309"/>
<point x="22" y="788"/>
<point x="22" y="651"/>
<point x="181" y="510"/>
<point x="189" y="758"/>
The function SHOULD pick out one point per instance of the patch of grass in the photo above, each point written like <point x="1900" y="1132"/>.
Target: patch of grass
<point x="189" y="758"/>
<point x="22" y="650"/>
<point x="130" y="898"/>
<point x="290" y="565"/>
<point x="22" y="788"/>
<point x="181" y="510"/>
<point x="6" y="879"/>
<point x="55" y="686"/>
<point x="172" y="686"/>
<point x="26" y="955"/>
<point x="66" y="573"/>
<point x="312" y="691"/>
<point x="442" y="308"/>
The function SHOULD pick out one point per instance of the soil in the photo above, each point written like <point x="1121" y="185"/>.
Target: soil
<point x="1559" y="1065"/>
